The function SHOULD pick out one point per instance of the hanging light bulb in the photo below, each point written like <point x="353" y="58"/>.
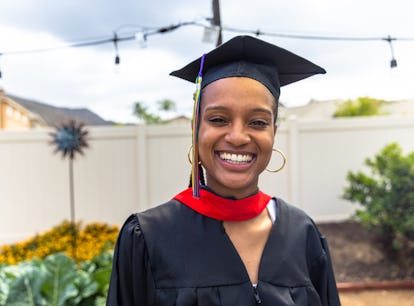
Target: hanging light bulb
<point x="117" y="58"/>
<point x="393" y="62"/>
<point x="141" y="38"/>
<point x="211" y="34"/>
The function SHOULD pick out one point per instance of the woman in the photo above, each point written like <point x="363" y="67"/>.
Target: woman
<point x="224" y="242"/>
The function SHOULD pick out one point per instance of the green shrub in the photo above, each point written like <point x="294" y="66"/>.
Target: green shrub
<point x="387" y="197"/>
<point x="363" y="106"/>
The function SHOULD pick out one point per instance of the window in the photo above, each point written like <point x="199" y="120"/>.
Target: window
<point x="9" y="111"/>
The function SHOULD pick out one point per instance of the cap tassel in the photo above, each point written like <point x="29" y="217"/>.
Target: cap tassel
<point x="195" y="126"/>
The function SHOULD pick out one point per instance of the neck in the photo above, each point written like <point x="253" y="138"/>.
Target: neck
<point x="229" y="196"/>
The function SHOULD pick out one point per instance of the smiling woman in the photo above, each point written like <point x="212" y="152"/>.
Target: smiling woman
<point x="222" y="241"/>
<point x="236" y="134"/>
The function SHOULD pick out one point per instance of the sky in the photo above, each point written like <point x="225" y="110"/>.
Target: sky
<point x="86" y="77"/>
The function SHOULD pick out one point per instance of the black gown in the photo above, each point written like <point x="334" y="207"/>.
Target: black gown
<point x="172" y="255"/>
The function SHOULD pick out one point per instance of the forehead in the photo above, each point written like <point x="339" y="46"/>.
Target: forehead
<point x="234" y="88"/>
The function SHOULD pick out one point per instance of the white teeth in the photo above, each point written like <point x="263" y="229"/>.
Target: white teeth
<point x="236" y="158"/>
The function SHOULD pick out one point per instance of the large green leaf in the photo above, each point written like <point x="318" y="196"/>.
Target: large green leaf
<point x="60" y="278"/>
<point x="56" y="281"/>
<point x="25" y="285"/>
<point x="102" y="276"/>
<point x="4" y="286"/>
<point x="86" y="288"/>
<point x="100" y="301"/>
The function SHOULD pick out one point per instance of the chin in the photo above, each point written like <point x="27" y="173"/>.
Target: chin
<point x="239" y="185"/>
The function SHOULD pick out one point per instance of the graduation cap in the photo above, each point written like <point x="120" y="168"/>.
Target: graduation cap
<point x="246" y="56"/>
<point x="242" y="56"/>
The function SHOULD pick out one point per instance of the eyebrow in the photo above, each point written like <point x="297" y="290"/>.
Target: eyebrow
<point x="255" y="110"/>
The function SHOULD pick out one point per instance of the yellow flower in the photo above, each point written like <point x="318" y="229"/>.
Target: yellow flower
<point x="90" y="241"/>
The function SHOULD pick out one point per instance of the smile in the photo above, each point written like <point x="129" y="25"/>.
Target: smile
<point x="238" y="159"/>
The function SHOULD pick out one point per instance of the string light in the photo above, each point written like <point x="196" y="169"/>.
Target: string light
<point x="115" y="40"/>
<point x="141" y="38"/>
<point x="147" y="31"/>
<point x="393" y="62"/>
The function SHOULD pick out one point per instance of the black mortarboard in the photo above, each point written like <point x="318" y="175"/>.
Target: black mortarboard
<point x="246" y="56"/>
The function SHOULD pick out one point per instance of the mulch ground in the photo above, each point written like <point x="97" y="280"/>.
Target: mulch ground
<point x="358" y="255"/>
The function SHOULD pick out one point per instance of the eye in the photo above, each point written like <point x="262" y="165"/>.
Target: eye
<point x="217" y="120"/>
<point x="259" y="123"/>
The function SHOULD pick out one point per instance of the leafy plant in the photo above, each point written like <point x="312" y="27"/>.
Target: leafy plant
<point x="387" y="196"/>
<point x="56" y="281"/>
<point x="22" y="285"/>
<point x="142" y="112"/>
<point x="58" y="285"/>
<point x="363" y="106"/>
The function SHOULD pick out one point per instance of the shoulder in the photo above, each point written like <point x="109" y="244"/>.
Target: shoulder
<point x="300" y="227"/>
<point x="172" y="219"/>
<point x="165" y="215"/>
<point x="158" y="226"/>
<point x="292" y="214"/>
<point x="162" y="211"/>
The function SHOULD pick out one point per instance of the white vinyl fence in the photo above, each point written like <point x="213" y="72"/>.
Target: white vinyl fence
<point x="129" y="169"/>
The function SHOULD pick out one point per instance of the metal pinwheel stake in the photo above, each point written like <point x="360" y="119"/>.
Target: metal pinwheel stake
<point x="69" y="139"/>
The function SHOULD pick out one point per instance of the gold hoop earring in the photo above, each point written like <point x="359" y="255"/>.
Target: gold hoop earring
<point x="189" y="154"/>
<point x="283" y="163"/>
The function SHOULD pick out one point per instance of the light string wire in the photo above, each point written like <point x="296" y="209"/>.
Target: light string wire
<point x="147" y="31"/>
<point x="195" y="175"/>
<point x="258" y="32"/>
<point x="115" y="37"/>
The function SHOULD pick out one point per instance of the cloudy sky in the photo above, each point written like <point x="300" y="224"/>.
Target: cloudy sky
<point x="87" y="76"/>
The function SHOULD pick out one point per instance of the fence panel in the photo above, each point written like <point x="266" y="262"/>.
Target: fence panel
<point x="129" y="169"/>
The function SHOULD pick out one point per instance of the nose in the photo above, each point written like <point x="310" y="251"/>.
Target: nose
<point x="237" y="134"/>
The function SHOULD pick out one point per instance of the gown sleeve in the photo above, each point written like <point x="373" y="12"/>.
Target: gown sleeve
<point x="323" y="278"/>
<point x="131" y="280"/>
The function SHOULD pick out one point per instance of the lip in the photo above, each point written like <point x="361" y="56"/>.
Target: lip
<point x="239" y="165"/>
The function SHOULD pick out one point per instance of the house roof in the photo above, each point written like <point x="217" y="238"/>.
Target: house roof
<point x="54" y="116"/>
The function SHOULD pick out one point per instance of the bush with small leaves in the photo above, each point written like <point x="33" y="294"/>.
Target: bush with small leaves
<point x="386" y="195"/>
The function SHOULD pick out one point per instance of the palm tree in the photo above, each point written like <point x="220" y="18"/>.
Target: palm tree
<point x="166" y="105"/>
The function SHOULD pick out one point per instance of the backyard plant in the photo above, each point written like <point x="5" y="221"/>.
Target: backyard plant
<point x="363" y="106"/>
<point x="56" y="281"/>
<point x="92" y="240"/>
<point x="70" y="139"/>
<point x="386" y="195"/>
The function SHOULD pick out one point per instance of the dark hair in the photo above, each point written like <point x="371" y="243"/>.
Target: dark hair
<point x="275" y="109"/>
<point x="202" y="180"/>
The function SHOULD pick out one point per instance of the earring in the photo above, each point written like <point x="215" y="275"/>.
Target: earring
<point x="189" y="154"/>
<point x="283" y="163"/>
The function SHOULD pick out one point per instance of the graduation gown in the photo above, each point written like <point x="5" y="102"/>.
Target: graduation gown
<point x="172" y="255"/>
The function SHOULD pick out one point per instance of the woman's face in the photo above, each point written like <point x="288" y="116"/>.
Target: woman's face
<point x="236" y="134"/>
